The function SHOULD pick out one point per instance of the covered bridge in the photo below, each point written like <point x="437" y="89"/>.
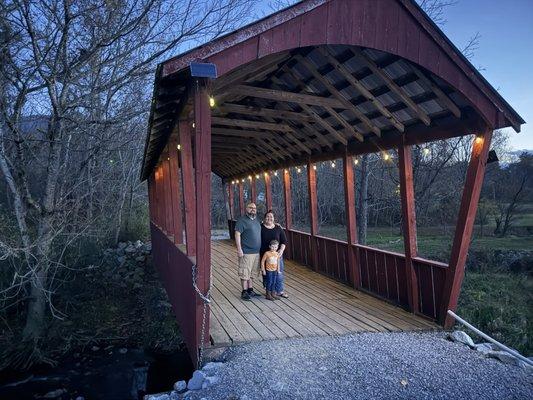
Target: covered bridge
<point x="321" y="80"/>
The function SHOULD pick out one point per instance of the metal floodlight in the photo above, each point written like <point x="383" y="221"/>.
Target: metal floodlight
<point x="203" y="70"/>
<point x="492" y="157"/>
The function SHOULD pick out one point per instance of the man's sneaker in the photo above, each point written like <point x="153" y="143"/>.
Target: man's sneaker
<point x="251" y="293"/>
<point x="245" y="295"/>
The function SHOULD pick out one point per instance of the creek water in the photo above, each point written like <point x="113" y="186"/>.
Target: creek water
<point x="108" y="373"/>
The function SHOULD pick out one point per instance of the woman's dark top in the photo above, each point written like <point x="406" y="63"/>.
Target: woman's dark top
<point x="267" y="235"/>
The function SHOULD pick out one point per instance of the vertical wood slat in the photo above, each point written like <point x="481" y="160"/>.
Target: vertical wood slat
<point x="151" y="200"/>
<point x="409" y="223"/>
<point x="202" y="152"/>
<point x="351" y="222"/>
<point x="253" y="190"/>
<point x="231" y="201"/>
<point x="158" y="194"/>
<point x="313" y="212"/>
<point x="465" y="224"/>
<point x="187" y="177"/>
<point x="268" y="191"/>
<point x="167" y="182"/>
<point x="177" y="216"/>
<point x="287" y="199"/>
<point x="241" y="198"/>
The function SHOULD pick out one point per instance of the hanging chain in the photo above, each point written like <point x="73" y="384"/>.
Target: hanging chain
<point x="206" y="301"/>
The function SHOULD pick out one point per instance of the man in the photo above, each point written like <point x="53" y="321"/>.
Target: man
<point x="248" y="241"/>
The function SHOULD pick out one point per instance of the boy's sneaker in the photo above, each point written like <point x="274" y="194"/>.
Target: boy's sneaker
<point x="245" y="295"/>
<point x="251" y="293"/>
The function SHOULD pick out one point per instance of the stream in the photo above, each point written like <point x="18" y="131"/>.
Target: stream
<point x="99" y="373"/>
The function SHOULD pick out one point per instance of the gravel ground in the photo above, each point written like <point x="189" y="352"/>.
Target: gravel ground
<point x="365" y="366"/>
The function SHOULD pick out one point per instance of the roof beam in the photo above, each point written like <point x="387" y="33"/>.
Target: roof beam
<point x="329" y="86"/>
<point x="262" y="112"/>
<point x="280" y="95"/>
<point x="370" y="64"/>
<point x="361" y="88"/>
<point x="251" y="124"/>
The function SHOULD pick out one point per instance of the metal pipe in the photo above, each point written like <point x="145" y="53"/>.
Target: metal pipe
<point x="487" y="337"/>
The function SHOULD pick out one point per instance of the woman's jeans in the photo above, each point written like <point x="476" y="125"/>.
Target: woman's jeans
<point x="280" y="278"/>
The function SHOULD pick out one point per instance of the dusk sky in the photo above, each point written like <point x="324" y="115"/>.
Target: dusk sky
<point x="505" y="51"/>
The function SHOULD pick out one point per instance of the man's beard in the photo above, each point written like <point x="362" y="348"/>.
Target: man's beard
<point x="251" y="216"/>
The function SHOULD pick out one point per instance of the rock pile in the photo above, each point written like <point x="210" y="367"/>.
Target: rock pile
<point x="201" y="379"/>
<point x="129" y="260"/>
<point x="488" y="350"/>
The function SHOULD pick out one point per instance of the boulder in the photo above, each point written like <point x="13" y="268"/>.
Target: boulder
<point x="180" y="386"/>
<point x="212" y="366"/>
<point x="195" y="383"/>
<point x="504" y="357"/>
<point x="461" y="337"/>
<point x="483" y="348"/>
<point x="210" y="381"/>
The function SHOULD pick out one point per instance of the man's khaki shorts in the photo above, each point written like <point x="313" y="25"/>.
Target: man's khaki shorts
<point x="249" y="267"/>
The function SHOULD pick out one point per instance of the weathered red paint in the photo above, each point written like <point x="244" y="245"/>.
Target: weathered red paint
<point x="241" y="198"/>
<point x="407" y="194"/>
<point x="187" y="178"/>
<point x="351" y="225"/>
<point x="253" y="190"/>
<point x="287" y="207"/>
<point x="167" y="186"/>
<point x="177" y="217"/>
<point x="268" y="192"/>
<point x="202" y="153"/>
<point x="313" y="213"/>
<point x="465" y="224"/>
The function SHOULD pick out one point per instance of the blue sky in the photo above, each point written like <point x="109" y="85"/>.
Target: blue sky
<point x="505" y="51"/>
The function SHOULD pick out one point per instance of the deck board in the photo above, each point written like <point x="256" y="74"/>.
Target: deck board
<point x="317" y="305"/>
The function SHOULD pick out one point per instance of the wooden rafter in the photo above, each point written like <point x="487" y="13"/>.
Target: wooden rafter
<point x="262" y="112"/>
<point x="280" y="95"/>
<point x="341" y="68"/>
<point x="250" y="124"/>
<point x="393" y="86"/>
<point x="329" y="86"/>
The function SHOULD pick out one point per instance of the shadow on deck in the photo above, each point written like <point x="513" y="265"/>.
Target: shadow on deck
<point x="317" y="306"/>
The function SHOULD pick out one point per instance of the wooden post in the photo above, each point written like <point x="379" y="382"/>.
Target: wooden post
<point x="407" y="194"/>
<point x="177" y="217"/>
<point x="351" y="223"/>
<point x="287" y="197"/>
<point x="231" y="201"/>
<point x="253" y="190"/>
<point x="187" y="178"/>
<point x="159" y="197"/>
<point x="464" y="227"/>
<point x="202" y="152"/>
<point x="288" y="209"/>
<point x="313" y="212"/>
<point x="241" y="197"/>
<point x="167" y="182"/>
<point x="268" y="191"/>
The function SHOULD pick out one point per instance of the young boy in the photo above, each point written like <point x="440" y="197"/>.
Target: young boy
<point x="270" y="269"/>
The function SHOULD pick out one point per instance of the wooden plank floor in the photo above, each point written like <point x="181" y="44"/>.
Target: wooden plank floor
<point x="317" y="306"/>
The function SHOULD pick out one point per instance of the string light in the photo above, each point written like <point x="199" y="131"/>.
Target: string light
<point x="211" y="101"/>
<point x="168" y="158"/>
<point x="250" y="177"/>
<point x="298" y="169"/>
<point x="257" y="176"/>
<point x="356" y="161"/>
<point x="242" y="180"/>
<point x="314" y="167"/>
<point x="426" y="151"/>
<point x="275" y="173"/>
<point x="333" y="164"/>
<point x="179" y="146"/>
<point x="386" y="156"/>
<point x="479" y="139"/>
<point x="193" y="125"/>
<point x="286" y="171"/>
<point x="266" y="174"/>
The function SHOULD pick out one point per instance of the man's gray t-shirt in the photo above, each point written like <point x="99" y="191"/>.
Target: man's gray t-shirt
<point x="250" y="230"/>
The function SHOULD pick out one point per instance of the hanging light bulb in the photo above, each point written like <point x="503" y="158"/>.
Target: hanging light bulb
<point x="356" y="161"/>
<point x="242" y="180"/>
<point x="426" y="151"/>
<point x="386" y="156"/>
<point x="193" y="125"/>
<point x="314" y="167"/>
<point x="333" y="164"/>
<point x="275" y="173"/>
<point x="250" y="177"/>
<point x="211" y="101"/>
<point x="479" y="139"/>
<point x="257" y="176"/>
<point x="286" y="171"/>
<point x="298" y="169"/>
<point x="266" y="174"/>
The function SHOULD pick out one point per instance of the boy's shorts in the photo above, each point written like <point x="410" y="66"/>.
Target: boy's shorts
<point x="248" y="267"/>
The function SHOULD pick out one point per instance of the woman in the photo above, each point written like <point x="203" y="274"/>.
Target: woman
<point x="272" y="231"/>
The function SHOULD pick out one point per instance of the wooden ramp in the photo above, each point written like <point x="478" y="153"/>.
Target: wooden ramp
<point x="317" y="306"/>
